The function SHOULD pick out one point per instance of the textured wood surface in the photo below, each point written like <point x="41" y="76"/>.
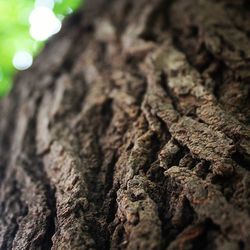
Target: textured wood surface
<point x="131" y="131"/>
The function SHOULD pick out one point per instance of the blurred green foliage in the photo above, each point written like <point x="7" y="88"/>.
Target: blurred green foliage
<point x="14" y="33"/>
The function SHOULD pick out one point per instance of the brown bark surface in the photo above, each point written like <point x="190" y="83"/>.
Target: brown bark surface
<point x="131" y="131"/>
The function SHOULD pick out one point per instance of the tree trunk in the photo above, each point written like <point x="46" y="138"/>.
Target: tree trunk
<point x="131" y="131"/>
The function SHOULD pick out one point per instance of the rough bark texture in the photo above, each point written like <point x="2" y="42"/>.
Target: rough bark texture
<point x="131" y="131"/>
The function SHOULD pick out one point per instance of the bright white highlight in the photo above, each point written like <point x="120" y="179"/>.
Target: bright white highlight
<point x="43" y="23"/>
<point x="22" y="60"/>
<point x="45" y="3"/>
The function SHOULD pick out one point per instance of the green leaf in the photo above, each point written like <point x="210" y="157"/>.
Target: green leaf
<point x="14" y="33"/>
<point x="64" y="7"/>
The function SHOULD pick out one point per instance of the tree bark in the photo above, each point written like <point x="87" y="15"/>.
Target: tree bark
<point x="131" y="131"/>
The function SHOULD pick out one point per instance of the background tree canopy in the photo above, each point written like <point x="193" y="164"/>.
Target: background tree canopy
<point x="24" y="26"/>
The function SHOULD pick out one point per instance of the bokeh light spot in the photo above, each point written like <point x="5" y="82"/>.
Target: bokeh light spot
<point x="22" y="60"/>
<point x="45" y="3"/>
<point x="43" y="23"/>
